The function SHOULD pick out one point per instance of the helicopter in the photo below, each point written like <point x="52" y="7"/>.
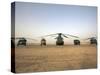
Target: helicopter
<point x="43" y="42"/>
<point x="93" y="40"/>
<point x="22" y="40"/>
<point x="60" y="39"/>
<point x="76" y="42"/>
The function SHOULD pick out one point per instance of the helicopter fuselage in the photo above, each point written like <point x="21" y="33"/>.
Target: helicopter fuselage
<point x="59" y="40"/>
<point x="22" y="42"/>
<point x="93" y="41"/>
<point x="76" y="42"/>
<point x="43" y="42"/>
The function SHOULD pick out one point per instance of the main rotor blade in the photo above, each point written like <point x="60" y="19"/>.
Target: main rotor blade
<point x="52" y="34"/>
<point x="72" y="35"/>
<point x="23" y="38"/>
<point x="31" y="39"/>
<point x="17" y="37"/>
<point x="86" y="39"/>
<point x="64" y="36"/>
<point x="90" y="38"/>
<point x="94" y="37"/>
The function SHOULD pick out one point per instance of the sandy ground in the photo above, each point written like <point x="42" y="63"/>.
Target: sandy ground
<point x="54" y="58"/>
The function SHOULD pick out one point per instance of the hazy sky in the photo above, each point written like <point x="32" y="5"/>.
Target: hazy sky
<point x="34" y="20"/>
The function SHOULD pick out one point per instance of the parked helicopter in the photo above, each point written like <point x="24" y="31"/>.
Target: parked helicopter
<point x="22" y="40"/>
<point x="93" y="40"/>
<point x="76" y="42"/>
<point x="43" y="42"/>
<point x="59" y="38"/>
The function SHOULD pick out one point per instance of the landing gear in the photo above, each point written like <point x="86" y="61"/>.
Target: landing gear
<point x="59" y="43"/>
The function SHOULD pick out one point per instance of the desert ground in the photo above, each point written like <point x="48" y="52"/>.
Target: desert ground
<point x="55" y="58"/>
